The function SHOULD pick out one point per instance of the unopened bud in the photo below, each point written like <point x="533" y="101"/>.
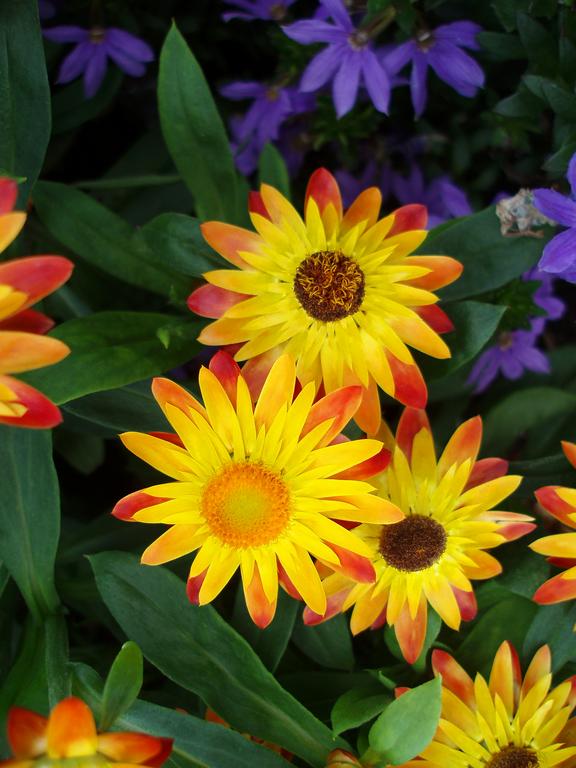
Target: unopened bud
<point x="341" y="759"/>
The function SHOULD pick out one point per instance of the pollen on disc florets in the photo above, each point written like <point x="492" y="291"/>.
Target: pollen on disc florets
<point x="515" y="757"/>
<point x="329" y="286"/>
<point x="413" y="544"/>
<point x="246" y="505"/>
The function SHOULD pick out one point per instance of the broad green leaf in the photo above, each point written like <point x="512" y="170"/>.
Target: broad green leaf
<point x="358" y="706"/>
<point x="540" y="44"/>
<point x="272" y="170"/>
<point x="269" y="643"/>
<point x="329" y="644"/>
<point x="474" y="326"/>
<point x="56" y="658"/>
<point x="561" y="100"/>
<point x="407" y="725"/>
<point x="553" y="625"/>
<point x="122" y="685"/>
<point x="199" y="651"/>
<point x="194" y="131"/>
<point x="509" y="419"/>
<point x="493" y="626"/>
<point x="24" y="93"/>
<point x="105" y="240"/>
<point x="29" y="515"/>
<point x="176" y="240"/>
<point x="490" y="259"/>
<point x="112" y="349"/>
<point x="197" y="743"/>
<point x="116" y="410"/>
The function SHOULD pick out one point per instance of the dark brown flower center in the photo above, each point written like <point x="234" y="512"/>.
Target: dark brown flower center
<point x="329" y="286"/>
<point x="505" y="340"/>
<point x="278" y="11"/>
<point x="97" y="35"/>
<point x="515" y="757"/>
<point x="425" y="40"/>
<point x="413" y="544"/>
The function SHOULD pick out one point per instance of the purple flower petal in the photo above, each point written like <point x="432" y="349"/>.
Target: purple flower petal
<point x="418" y="85"/>
<point x="559" y="254"/>
<point x="321" y="68"/>
<point x="337" y="10"/>
<point x="399" y="56"/>
<point x="66" y="34"/>
<point x="485" y="370"/>
<point x="456" y="68"/>
<point x="314" y="31"/>
<point x="128" y="44"/>
<point x="346" y="83"/>
<point x="376" y="81"/>
<point x="75" y="63"/>
<point x="126" y="63"/>
<point x="453" y="198"/>
<point x="556" y="206"/>
<point x="510" y="366"/>
<point x="460" y="33"/>
<point x="533" y="359"/>
<point x="95" y="70"/>
<point x="571" y="175"/>
<point x="242" y="90"/>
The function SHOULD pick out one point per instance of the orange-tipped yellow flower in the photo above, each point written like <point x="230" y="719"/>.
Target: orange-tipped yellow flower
<point x="258" y="488"/>
<point x="505" y="722"/>
<point x="431" y="556"/>
<point x="338" y="291"/>
<point x="561" y="548"/>
<point x="23" y="282"/>
<point x="70" y="735"/>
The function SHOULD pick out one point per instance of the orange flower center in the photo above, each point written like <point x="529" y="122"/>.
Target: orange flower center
<point x="329" y="286"/>
<point x="413" y="544"/>
<point x="515" y="757"/>
<point x="246" y="505"/>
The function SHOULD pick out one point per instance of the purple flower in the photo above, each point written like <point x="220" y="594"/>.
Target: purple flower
<point x="442" y="197"/>
<point x="92" y="50"/>
<point x="559" y="255"/>
<point x="246" y="149"/>
<point x="441" y="50"/>
<point x="46" y="9"/>
<point x="274" y="10"/>
<point x="271" y="107"/>
<point x="347" y="60"/>
<point x="514" y="353"/>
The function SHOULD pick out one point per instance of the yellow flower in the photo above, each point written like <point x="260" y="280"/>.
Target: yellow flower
<point x="431" y="556"/>
<point x="505" y="722"/>
<point x="258" y="489"/>
<point x="339" y="291"/>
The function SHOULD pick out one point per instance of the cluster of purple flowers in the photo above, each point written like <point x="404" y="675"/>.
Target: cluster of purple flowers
<point x="352" y="63"/>
<point x="516" y="351"/>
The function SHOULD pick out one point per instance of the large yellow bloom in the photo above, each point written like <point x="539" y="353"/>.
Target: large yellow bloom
<point x="432" y="555"/>
<point x="258" y="488"/>
<point x="505" y="722"/>
<point x="338" y="291"/>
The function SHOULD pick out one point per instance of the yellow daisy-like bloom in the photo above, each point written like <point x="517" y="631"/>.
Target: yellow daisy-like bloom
<point x="258" y="489"/>
<point x="339" y="291"/>
<point x="505" y="722"/>
<point x="432" y="555"/>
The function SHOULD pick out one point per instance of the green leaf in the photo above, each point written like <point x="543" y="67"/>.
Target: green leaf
<point x="194" y="131"/>
<point x="197" y="743"/>
<point x="407" y="725"/>
<point x="176" y="240"/>
<point x="112" y="349"/>
<point x="492" y="628"/>
<point x="474" y="325"/>
<point x="553" y="625"/>
<point x="329" y="644"/>
<point x="272" y="170"/>
<point x="490" y="259"/>
<point x="509" y="419"/>
<point x="501" y="47"/>
<point x="358" y="706"/>
<point x="561" y="100"/>
<point x="24" y="93"/>
<point x="122" y="685"/>
<point x="56" y="658"/>
<point x="269" y="643"/>
<point x="540" y="45"/>
<point x="199" y="651"/>
<point x="29" y="515"/>
<point x="557" y="163"/>
<point x="105" y="240"/>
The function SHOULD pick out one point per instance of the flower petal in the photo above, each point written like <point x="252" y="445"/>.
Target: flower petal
<point x="71" y="730"/>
